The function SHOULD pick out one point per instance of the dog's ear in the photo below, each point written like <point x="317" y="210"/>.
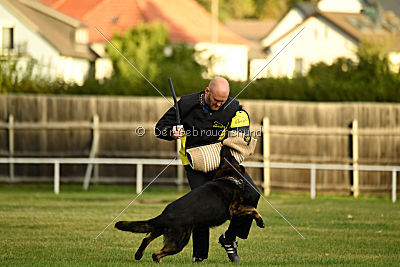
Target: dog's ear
<point x="242" y="168"/>
<point x="226" y="155"/>
<point x="228" y="169"/>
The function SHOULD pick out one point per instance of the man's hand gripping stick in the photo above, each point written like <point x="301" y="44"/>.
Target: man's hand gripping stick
<point x="177" y="130"/>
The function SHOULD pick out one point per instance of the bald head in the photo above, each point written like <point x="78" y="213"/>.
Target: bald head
<point x="217" y="93"/>
<point x="220" y="86"/>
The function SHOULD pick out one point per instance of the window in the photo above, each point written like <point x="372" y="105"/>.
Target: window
<point x="7" y="40"/>
<point x="298" y="66"/>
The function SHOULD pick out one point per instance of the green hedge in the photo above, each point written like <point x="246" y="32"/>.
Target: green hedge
<point x="368" y="79"/>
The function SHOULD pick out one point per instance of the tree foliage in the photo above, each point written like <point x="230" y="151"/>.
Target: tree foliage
<point x="21" y="75"/>
<point x="150" y="51"/>
<point x="369" y="78"/>
<point x="258" y="9"/>
<point x="232" y="9"/>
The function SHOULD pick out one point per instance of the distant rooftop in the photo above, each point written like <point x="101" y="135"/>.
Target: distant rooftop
<point x="251" y="29"/>
<point x="187" y="20"/>
<point x="307" y="9"/>
<point x="391" y="5"/>
<point x="57" y="28"/>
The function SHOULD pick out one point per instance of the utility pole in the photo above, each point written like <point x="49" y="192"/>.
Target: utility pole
<point x="214" y="22"/>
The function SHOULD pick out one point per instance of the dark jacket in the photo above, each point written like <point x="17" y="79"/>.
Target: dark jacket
<point x="202" y="126"/>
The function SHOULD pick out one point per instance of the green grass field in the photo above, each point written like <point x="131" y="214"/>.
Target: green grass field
<point x="40" y="228"/>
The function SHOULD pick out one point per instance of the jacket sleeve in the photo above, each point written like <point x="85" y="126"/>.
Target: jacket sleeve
<point x="163" y="129"/>
<point x="240" y="122"/>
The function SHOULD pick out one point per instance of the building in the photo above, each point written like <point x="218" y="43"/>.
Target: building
<point x="327" y="31"/>
<point x="59" y="43"/>
<point x="254" y="31"/>
<point x="186" y="20"/>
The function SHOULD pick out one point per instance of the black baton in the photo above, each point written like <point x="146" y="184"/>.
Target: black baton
<point x="178" y="117"/>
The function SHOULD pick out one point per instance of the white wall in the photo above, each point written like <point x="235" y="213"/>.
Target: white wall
<point x="292" y="18"/>
<point x="103" y="68"/>
<point x="103" y="65"/>
<point x="51" y="63"/>
<point x="319" y="41"/>
<point x="72" y="69"/>
<point x="394" y="59"/>
<point x="229" y="60"/>
<point x="346" y="6"/>
<point x="258" y="68"/>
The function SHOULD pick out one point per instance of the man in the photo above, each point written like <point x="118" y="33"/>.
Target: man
<point x="207" y="116"/>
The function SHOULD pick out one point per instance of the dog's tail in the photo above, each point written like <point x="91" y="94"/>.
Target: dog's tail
<point x="134" y="226"/>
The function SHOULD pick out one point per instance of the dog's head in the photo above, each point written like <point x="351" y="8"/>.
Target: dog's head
<point x="229" y="167"/>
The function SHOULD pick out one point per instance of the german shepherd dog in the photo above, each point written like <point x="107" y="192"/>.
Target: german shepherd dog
<point x="210" y="204"/>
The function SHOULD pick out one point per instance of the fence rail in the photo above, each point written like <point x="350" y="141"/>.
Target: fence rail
<point x="265" y="130"/>
<point x="140" y="162"/>
<point x="130" y="126"/>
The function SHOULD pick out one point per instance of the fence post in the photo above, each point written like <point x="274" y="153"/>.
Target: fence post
<point x="93" y="151"/>
<point x="394" y="185"/>
<point x="139" y="178"/>
<point x="312" y="183"/>
<point x="11" y="145"/>
<point x="266" y="156"/>
<point x="179" y="180"/>
<point x="56" y="177"/>
<point x="356" y="187"/>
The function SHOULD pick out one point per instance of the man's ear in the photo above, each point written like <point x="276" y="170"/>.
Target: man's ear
<point x="207" y="90"/>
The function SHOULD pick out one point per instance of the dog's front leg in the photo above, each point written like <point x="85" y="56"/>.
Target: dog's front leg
<point x="248" y="210"/>
<point x="161" y="254"/>
<point x="233" y="208"/>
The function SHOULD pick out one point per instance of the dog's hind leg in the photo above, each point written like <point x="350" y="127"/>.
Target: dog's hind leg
<point x="146" y="241"/>
<point x="248" y="210"/>
<point x="174" y="242"/>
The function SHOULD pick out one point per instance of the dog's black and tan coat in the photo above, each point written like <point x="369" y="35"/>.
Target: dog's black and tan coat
<point x="210" y="204"/>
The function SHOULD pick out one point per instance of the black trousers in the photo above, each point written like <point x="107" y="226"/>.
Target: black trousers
<point x="239" y="225"/>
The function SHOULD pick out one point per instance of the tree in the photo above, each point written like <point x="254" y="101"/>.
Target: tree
<point x="258" y="9"/>
<point x="232" y="9"/>
<point x="149" y="49"/>
<point x="143" y="47"/>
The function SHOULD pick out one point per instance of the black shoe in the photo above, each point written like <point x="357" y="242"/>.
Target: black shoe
<point x="230" y="248"/>
<point x="196" y="259"/>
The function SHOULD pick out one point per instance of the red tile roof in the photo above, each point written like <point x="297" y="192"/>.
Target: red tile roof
<point x="74" y="8"/>
<point x="187" y="21"/>
<point x="48" y="2"/>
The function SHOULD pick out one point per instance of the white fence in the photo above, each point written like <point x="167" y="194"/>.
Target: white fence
<point x="267" y="129"/>
<point x="140" y="162"/>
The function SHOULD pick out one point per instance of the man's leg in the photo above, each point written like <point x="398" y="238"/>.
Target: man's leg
<point x="240" y="226"/>
<point x="201" y="234"/>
